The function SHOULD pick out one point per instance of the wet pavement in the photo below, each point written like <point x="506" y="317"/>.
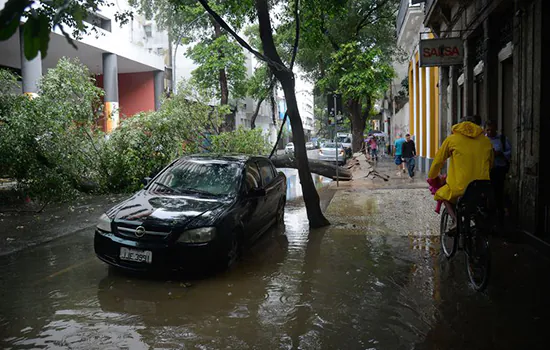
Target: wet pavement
<point x="374" y="279"/>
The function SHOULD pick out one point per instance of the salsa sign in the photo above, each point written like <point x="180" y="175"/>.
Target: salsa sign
<point x="441" y="52"/>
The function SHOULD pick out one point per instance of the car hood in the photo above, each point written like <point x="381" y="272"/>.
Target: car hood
<point x="150" y="207"/>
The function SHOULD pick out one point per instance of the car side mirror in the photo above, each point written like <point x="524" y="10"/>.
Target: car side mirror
<point x="146" y="181"/>
<point x="257" y="193"/>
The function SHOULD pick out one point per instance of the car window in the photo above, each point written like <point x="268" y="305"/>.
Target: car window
<point x="252" y="177"/>
<point x="196" y="175"/>
<point x="267" y="172"/>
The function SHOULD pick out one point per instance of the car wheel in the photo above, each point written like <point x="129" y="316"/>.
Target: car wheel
<point x="280" y="218"/>
<point x="232" y="252"/>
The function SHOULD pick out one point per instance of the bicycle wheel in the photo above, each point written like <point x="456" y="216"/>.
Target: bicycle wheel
<point x="478" y="259"/>
<point x="448" y="243"/>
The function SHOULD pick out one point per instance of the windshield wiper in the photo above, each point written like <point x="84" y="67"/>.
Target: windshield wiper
<point x="191" y="190"/>
<point x="168" y="187"/>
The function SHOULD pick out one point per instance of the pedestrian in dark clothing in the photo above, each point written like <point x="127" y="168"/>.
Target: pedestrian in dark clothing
<point x="501" y="164"/>
<point x="408" y="150"/>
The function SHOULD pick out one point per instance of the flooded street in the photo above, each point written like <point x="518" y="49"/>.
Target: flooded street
<point x="372" y="280"/>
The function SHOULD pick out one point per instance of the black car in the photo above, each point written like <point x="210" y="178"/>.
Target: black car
<point x="197" y="212"/>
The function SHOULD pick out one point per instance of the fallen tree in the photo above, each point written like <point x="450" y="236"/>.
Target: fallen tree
<point x="315" y="166"/>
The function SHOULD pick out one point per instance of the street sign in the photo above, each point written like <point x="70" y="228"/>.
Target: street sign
<point x="441" y="52"/>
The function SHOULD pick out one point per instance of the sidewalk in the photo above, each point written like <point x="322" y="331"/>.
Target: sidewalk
<point x="399" y="205"/>
<point x="400" y="208"/>
<point x="22" y="229"/>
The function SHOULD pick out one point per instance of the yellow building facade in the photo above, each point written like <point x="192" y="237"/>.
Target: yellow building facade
<point x="424" y="110"/>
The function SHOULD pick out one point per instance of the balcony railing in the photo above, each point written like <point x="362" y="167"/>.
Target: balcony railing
<point x="403" y="9"/>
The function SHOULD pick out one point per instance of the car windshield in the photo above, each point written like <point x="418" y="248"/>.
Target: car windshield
<point x="290" y="144"/>
<point x="207" y="177"/>
<point x="332" y="145"/>
<point x="343" y="139"/>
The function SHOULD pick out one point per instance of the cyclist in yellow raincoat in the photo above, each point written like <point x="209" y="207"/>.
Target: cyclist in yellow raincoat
<point x="471" y="158"/>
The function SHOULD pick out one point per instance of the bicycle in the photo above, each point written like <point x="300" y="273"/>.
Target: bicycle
<point x="475" y="212"/>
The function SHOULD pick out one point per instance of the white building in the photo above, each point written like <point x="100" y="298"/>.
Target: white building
<point x="305" y="106"/>
<point x="129" y="61"/>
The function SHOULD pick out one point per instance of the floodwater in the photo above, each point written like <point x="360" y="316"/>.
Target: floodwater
<point x="293" y="186"/>
<point x="340" y="287"/>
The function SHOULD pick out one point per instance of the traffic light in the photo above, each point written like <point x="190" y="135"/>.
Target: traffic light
<point x="334" y="104"/>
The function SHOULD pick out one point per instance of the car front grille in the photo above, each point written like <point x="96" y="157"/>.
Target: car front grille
<point x="152" y="233"/>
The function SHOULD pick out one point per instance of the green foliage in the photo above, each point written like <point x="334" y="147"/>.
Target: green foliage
<point x="46" y="143"/>
<point x="213" y="55"/>
<point x="50" y="146"/>
<point x="242" y="141"/>
<point x="357" y="73"/>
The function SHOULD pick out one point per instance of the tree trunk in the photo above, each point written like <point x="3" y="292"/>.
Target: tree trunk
<point x="229" y="122"/>
<point x="286" y="78"/>
<point x="255" y="115"/>
<point x="316" y="166"/>
<point x="358" y="122"/>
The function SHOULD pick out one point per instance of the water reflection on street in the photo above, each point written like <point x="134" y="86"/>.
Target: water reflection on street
<point x="294" y="188"/>
<point x="333" y="288"/>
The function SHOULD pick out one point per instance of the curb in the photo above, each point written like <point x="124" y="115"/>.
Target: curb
<point x="47" y="238"/>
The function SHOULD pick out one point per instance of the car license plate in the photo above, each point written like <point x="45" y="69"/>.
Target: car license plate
<point x="136" y="255"/>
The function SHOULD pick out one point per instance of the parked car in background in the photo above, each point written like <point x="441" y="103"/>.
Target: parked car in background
<point x="196" y="213"/>
<point x="310" y="145"/>
<point x="329" y="151"/>
<point x="289" y="148"/>
<point x="346" y="141"/>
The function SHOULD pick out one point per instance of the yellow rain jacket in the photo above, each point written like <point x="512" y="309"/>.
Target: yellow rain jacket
<point x="471" y="155"/>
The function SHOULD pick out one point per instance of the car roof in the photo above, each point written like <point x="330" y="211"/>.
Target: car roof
<point x="229" y="157"/>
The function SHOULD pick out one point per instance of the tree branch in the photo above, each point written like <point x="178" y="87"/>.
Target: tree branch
<point x="297" y="37"/>
<point x="255" y="114"/>
<point x="325" y="32"/>
<point x="240" y="40"/>
<point x="279" y="135"/>
<point x="362" y="24"/>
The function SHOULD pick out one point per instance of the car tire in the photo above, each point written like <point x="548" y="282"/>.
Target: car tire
<point x="232" y="251"/>
<point x="280" y="216"/>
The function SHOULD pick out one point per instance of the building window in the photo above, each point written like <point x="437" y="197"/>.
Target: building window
<point x="160" y="51"/>
<point x="98" y="21"/>
<point x="148" y="29"/>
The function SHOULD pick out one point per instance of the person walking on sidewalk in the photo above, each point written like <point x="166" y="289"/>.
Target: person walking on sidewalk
<point x="409" y="154"/>
<point x="502" y="152"/>
<point x="399" y="154"/>
<point x="374" y="148"/>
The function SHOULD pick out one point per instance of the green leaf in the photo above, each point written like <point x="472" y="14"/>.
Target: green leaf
<point x="7" y="31"/>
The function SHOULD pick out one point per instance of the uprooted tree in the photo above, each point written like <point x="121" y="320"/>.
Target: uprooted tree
<point x="42" y="21"/>
<point x="284" y="74"/>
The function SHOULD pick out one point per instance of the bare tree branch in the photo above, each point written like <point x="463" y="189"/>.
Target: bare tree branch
<point x="362" y="24"/>
<point x="240" y="40"/>
<point x="297" y="37"/>
<point x="325" y="32"/>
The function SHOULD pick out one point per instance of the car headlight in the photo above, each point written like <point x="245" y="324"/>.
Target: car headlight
<point x="199" y="235"/>
<point x="104" y="223"/>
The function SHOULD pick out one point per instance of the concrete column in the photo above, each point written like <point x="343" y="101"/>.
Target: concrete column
<point x="110" y="85"/>
<point x="159" y="87"/>
<point x="31" y="71"/>
<point x="491" y="67"/>
<point x="444" y="113"/>
<point x="469" y="56"/>
<point x="429" y="112"/>
<point x="414" y="89"/>
<point x="422" y="112"/>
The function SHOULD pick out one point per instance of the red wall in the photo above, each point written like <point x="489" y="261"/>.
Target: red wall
<point x="136" y="92"/>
